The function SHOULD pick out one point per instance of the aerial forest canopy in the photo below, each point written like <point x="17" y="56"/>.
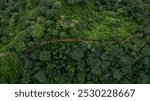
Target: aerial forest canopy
<point x="75" y="41"/>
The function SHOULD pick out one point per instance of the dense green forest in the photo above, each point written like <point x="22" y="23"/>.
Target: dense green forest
<point x="75" y="41"/>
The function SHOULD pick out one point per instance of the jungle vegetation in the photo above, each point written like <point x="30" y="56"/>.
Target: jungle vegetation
<point x="75" y="41"/>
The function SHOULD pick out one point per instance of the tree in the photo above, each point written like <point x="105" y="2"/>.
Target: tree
<point x="77" y="54"/>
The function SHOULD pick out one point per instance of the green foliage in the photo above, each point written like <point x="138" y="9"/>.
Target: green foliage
<point x="37" y="31"/>
<point x="40" y="76"/>
<point x="63" y="35"/>
<point x="77" y="54"/>
<point x="76" y="1"/>
<point x="20" y="46"/>
<point x="10" y="69"/>
<point x="44" y="55"/>
<point x="117" y="74"/>
<point x="74" y="41"/>
<point x="94" y="64"/>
